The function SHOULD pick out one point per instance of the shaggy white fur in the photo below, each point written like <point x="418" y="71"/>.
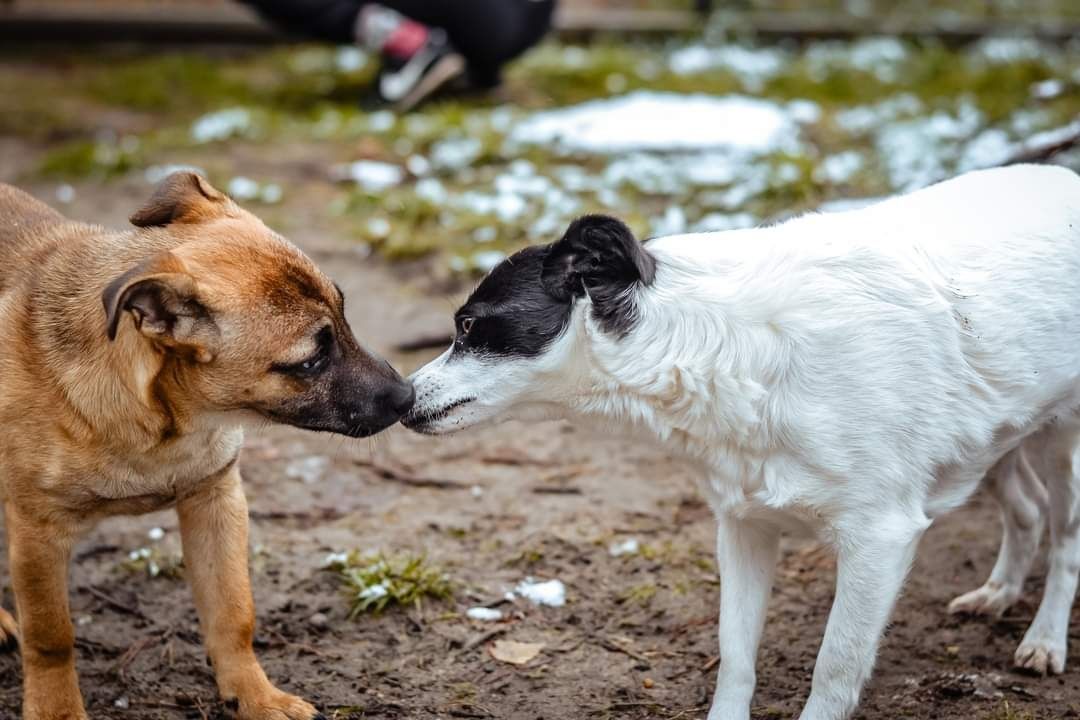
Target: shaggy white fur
<point x="853" y="375"/>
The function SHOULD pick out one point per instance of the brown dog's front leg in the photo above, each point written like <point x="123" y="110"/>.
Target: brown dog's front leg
<point x="39" y="552"/>
<point x="214" y="530"/>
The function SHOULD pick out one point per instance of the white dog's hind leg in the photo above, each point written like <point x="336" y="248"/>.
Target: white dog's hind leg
<point x="874" y="557"/>
<point x="746" y="555"/>
<point x="1044" y="645"/>
<point x="1023" y="502"/>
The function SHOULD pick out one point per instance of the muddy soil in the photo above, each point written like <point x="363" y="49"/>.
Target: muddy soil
<point x="636" y="638"/>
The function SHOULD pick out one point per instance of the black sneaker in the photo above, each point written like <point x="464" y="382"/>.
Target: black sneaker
<point x="404" y="85"/>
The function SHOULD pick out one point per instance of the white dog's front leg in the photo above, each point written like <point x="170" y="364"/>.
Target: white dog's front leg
<point x="874" y="558"/>
<point x="746" y="555"/>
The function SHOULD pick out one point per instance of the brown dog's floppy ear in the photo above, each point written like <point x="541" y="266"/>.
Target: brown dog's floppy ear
<point x="163" y="299"/>
<point x="182" y="197"/>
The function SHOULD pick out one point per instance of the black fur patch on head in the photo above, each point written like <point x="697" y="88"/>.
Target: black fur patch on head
<point x="598" y="255"/>
<point x="524" y="304"/>
<point x="510" y="313"/>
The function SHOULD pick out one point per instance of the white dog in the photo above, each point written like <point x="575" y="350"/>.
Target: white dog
<point x="854" y="375"/>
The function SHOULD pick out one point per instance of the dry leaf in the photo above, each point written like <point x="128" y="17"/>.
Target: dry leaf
<point x="515" y="653"/>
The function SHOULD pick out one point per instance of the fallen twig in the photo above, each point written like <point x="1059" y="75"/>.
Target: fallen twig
<point x="407" y="478"/>
<point x="114" y="603"/>
<point x="556" y="490"/>
<point x="481" y="639"/>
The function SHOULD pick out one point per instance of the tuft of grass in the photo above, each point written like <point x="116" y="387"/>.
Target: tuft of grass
<point x="640" y="594"/>
<point x="1005" y="712"/>
<point x="375" y="582"/>
<point x="154" y="563"/>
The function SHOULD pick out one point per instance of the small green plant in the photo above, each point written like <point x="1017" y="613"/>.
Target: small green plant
<point x="155" y="563"/>
<point x="373" y="582"/>
<point x="1007" y="713"/>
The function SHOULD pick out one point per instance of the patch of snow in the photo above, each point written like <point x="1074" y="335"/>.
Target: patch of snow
<point x="378" y="227"/>
<point x="845" y="204"/>
<point x="1047" y="89"/>
<point x="307" y="469"/>
<point x="719" y="222"/>
<point x="630" y="546"/>
<point x="431" y="190"/>
<point x="350" y="59"/>
<point x="486" y="260"/>
<point x="989" y="148"/>
<point x="484" y="614"/>
<point x="65" y="193"/>
<point x="647" y="120"/>
<point x="371" y="175"/>
<point x="221" y="125"/>
<point x="418" y="165"/>
<point x="156" y="173"/>
<point x="1009" y="49"/>
<point x="672" y="222"/>
<point x="373" y="592"/>
<point x="551" y="592"/>
<point x="914" y="150"/>
<point x="753" y="66"/>
<point x="505" y="206"/>
<point x="866" y="118"/>
<point x="243" y="188"/>
<point x="455" y="153"/>
<point x="339" y="558"/>
<point x="839" y="168"/>
<point x="381" y="120"/>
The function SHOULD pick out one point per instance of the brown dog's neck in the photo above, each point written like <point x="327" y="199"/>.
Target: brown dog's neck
<point x="120" y="392"/>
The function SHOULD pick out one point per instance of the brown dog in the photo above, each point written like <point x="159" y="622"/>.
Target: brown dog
<point x="128" y="363"/>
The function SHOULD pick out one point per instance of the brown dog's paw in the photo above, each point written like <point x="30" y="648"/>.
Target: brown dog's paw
<point x="9" y="630"/>
<point x="278" y="706"/>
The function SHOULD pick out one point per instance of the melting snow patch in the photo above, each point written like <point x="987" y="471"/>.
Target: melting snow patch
<point x="483" y="613"/>
<point x="349" y="59"/>
<point x="550" y="592"/>
<point x="719" y="222"/>
<point x="751" y="65"/>
<point x="839" y="168"/>
<point x="373" y="592"/>
<point x="486" y="260"/>
<point x="65" y="193"/>
<point x="309" y="469"/>
<point x="646" y="120"/>
<point x="156" y="173"/>
<point x="630" y="546"/>
<point x="454" y="154"/>
<point x="371" y="175"/>
<point x="221" y="125"/>
<point x="913" y="150"/>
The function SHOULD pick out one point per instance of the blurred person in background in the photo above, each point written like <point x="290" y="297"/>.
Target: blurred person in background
<point x="425" y="45"/>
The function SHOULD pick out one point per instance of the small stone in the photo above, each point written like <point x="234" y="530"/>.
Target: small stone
<point x="648" y="683"/>
<point x="319" y="621"/>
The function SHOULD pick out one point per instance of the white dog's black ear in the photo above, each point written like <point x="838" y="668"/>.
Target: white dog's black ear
<point x="600" y="256"/>
<point x="596" y="252"/>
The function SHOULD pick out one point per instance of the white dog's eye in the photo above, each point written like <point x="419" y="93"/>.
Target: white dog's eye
<point x="466" y="325"/>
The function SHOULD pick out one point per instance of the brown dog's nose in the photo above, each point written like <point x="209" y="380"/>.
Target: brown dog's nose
<point x="401" y="398"/>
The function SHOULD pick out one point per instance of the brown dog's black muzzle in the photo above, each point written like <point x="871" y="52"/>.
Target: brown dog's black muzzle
<point x="359" y="395"/>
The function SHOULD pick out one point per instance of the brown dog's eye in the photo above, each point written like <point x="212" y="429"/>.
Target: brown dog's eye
<point x="466" y="325"/>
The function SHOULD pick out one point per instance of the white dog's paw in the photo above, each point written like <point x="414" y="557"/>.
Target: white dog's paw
<point x="991" y="599"/>
<point x="1041" y="656"/>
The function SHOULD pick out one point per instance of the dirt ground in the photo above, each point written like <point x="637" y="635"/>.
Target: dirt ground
<point x="636" y="638"/>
